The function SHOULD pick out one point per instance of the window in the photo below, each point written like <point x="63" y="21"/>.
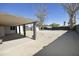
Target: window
<point x="12" y="27"/>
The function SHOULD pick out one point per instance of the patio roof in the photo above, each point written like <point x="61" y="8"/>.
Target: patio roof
<point x="11" y="20"/>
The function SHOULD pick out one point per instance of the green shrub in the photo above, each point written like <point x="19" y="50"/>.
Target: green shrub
<point x="55" y="25"/>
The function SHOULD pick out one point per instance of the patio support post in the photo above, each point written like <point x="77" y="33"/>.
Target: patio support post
<point x="34" y="30"/>
<point x="19" y="30"/>
<point x="16" y="29"/>
<point x="24" y="30"/>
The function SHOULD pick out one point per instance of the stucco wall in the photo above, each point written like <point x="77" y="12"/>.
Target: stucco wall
<point x="6" y="30"/>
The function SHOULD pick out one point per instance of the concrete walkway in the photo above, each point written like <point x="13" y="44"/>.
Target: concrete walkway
<point x="65" y="45"/>
<point x="28" y="47"/>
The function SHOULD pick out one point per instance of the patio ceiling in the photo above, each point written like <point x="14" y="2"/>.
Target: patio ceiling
<point x="11" y="20"/>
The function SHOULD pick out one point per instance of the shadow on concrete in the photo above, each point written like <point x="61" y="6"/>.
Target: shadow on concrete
<point x="12" y="37"/>
<point x="29" y="37"/>
<point x="65" y="45"/>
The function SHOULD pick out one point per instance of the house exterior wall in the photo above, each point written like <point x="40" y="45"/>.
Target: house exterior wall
<point x="8" y="30"/>
<point x="5" y="31"/>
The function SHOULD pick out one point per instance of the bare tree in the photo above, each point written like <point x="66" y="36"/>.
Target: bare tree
<point x="41" y="14"/>
<point x="71" y="9"/>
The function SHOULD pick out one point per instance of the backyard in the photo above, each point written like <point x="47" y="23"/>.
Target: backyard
<point x="39" y="29"/>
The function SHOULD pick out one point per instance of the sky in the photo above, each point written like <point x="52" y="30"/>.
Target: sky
<point x="55" y="12"/>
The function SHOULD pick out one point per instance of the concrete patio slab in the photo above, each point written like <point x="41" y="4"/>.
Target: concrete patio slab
<point x="28" y="47"/>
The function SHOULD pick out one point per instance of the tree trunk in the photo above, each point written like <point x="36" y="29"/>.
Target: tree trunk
<point x="72" y="21"/>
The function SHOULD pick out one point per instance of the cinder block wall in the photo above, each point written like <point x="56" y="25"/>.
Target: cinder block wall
<point x="77" y="28"/>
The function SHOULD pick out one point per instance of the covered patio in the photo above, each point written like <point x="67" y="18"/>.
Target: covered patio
<point x="16" y="21"/>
